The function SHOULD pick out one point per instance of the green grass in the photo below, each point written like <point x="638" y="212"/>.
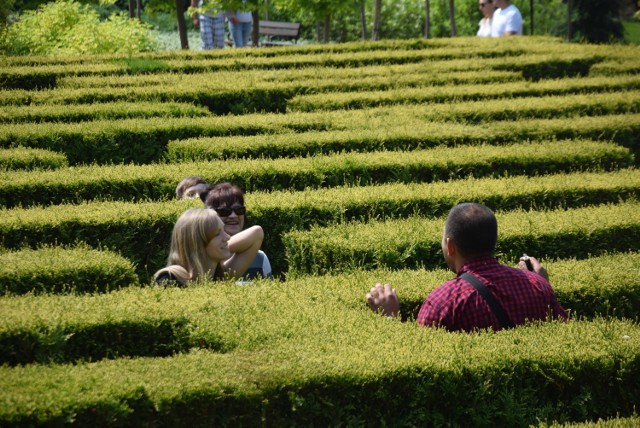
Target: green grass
<point x="632" y="32"/>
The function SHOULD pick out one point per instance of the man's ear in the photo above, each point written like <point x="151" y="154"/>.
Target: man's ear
<point x="451" y="247"/>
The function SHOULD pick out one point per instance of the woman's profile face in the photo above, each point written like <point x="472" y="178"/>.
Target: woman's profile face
<point x="218" y="246"/>
<point x="486" y="7"/>
<point x="232" y="216"/>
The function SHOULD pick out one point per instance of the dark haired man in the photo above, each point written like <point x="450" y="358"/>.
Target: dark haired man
<point x="485" y="293"/>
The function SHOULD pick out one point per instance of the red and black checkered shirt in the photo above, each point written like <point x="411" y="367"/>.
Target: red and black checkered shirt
<point x="457" y="305"/>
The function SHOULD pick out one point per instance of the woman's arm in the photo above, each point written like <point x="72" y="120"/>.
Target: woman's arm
<point x="244" y="246"/>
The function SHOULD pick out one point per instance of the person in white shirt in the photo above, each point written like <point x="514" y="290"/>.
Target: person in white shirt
<point x="507" y="20"/>
<point x="487" y="8"/>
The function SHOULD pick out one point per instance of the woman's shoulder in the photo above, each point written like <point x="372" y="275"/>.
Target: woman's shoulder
<point x="169" y="276"/>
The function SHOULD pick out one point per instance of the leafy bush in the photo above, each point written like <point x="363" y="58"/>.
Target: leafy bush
<point x="21" y="158"/>
<point x="56" y="269"/>
<point x="67" y="27"/>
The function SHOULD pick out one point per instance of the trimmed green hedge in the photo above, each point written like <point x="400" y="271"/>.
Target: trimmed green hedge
<point x="613" y="422"/>
<point x="473" y="92"/>
<point x="106" y="111"/>
<point x="56" y="269"/>
<point x="22" y="158"/>
<point x="160" y="321"/>
<point x="158" y="181"/>
<point x="339" y="366"/>
<point x="401" y="128"/>
<point x="560" y="63"/>
<point x="416" y="242"/>
<point x="553" y="106"/>
<point x="141" y="231"/>
<point x="434" y="73"/>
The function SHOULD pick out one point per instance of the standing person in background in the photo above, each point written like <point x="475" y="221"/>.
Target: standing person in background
<point x="507" y="20"/>
<point x="228" y="201"/>
<point x="485" y="293"/>
<point x="240" y="25"/>
<point x="211" y="27"/>
<point x="487" y="8"/>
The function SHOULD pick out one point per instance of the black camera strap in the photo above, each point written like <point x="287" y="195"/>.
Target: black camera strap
<point x="496" y="307"/>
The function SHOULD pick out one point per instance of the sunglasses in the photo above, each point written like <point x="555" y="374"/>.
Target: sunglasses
<point x="226" y="211"/>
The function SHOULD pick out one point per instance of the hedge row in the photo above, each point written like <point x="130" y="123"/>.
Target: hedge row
<point x="551" y="372"/>
<point x="22" y="158"/>
<point x="529" y="45"/>
<point x="223" y="80"/>
<point x="253" y="93"/>
<point x="553" y="63"/>
<point x="390" y="129"/>
<point x="158" y="181"/>
<point x="416" y="242"/>
<point x="54" y="328"/>
<point x="141" y="231"/>
<point x="441" y="94"/>
<point x="397" y="127"/>
<point x="613" y="422"/>
<point x="106" y="111"/>
<point x="56" y="269"/>
<point x="223" y="96"/>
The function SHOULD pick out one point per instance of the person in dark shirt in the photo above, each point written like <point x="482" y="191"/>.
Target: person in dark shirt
<point x="468" y="245"/>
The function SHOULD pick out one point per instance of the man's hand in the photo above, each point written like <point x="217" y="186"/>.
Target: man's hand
<point x="384" y="299"/>
<point x="537" y="267"/>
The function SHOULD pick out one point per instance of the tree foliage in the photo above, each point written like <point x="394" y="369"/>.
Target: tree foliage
<point x="67" y="27"/>
<point x="597" y="21"/>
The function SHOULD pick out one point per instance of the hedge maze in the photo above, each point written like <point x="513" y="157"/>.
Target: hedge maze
<point x="351" y="156"/>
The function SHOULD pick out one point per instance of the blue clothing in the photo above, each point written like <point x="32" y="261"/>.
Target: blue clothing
<point x="260" y="267"/>
<point x="240" y="33"/>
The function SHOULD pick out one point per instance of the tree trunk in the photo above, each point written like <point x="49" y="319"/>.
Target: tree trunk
<point x="569" y="17"/>
<point x="327" y="28"/>
<point x="318" y="31"/>
<point x="452" y="18"/>
<point x="377" y="12"/>
<point x="139" y="8"/>
<point x="427" y="20"/>
<point x="182" y="25"/>
<point x="132" y="8"/>
<point x="531" y="14"/>
<point x="363" y="21"/>
<point x="255" y="30"/>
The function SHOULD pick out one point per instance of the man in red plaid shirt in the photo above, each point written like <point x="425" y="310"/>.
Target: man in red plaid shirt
<point x="468" y="244"/>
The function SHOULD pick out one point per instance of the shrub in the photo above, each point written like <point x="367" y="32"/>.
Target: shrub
<point x="65" y="27"/>
<point x="56" y="269"/>
<point x="31" y="159"/>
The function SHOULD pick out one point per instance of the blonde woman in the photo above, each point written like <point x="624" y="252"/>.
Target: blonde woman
<point x="200" y="248"/>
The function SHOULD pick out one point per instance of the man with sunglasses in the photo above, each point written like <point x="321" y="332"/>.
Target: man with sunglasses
<point x="507" y="20"/>
<point x="228" y="201"/>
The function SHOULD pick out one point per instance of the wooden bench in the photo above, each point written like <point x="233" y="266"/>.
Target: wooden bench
<point x="286" y="30"/>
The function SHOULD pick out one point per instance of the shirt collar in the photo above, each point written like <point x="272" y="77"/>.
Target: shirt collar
<point x="477" y="262"/>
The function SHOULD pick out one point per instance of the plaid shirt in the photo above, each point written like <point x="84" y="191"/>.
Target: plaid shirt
<point x="457" y="305"/>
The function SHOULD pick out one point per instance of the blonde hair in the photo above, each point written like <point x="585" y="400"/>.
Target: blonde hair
<point x="191" y="234"/>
